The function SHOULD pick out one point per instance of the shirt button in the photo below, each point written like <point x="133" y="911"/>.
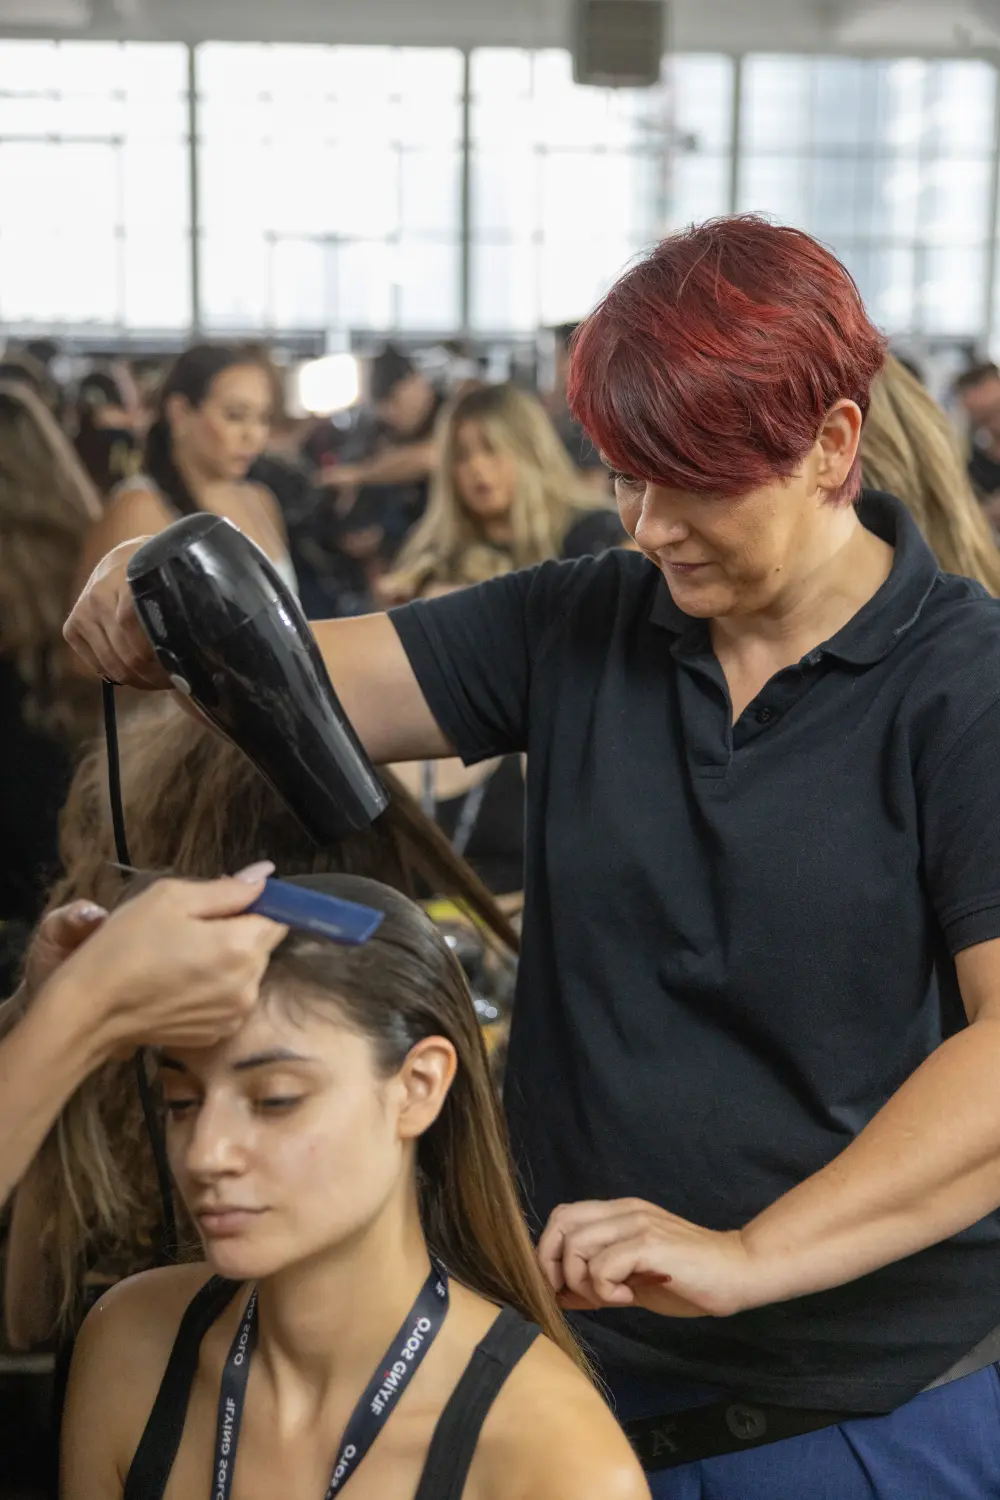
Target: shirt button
<point x="765" y="715"/>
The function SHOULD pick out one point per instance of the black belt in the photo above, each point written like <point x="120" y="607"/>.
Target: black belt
<point x="733" y="1425"/>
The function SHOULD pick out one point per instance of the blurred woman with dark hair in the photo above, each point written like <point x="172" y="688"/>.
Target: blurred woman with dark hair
<point x="210" y="426"/>
<point x="752" y="1079"/>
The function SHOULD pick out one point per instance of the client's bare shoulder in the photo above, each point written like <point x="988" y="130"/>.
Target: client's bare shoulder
<point x="551" y="1436"/>
<point x="118" y="1363"/>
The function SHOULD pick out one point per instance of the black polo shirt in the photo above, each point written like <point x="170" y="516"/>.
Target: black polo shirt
<point x="738" y="939"/>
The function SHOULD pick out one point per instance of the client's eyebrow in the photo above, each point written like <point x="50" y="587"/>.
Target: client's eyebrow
<point x="266" y="1059"/>
<point x="245" y="1064"/>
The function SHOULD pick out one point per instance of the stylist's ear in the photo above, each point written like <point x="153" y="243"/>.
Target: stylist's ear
<point x="425" y="1078"/>
<point x="837" y="445"/>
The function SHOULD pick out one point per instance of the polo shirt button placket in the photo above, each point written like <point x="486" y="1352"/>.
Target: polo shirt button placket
<point x="765" y="715"/>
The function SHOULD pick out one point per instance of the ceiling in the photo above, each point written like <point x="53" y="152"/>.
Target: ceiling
<point x="876" y="26"/>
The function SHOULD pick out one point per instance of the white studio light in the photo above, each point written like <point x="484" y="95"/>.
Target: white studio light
<point x="328" y="385"/>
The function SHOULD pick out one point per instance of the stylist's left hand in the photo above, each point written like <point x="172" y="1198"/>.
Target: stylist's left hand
<point x="627" y="1253"/>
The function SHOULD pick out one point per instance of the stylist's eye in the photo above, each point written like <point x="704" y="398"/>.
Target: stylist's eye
<point x="627" y="481"/>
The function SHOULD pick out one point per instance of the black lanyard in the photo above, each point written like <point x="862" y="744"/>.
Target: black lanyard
<point x="393" y="1374"/>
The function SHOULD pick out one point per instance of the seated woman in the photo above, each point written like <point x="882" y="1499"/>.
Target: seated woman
<point x="88" y="1211"/>
<point x="210" y="425"/>
<point x="375" y="1307"/>
<point x="505" y="496"/>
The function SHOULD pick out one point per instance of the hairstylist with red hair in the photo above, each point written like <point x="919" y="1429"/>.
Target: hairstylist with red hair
<point x="752" y="1082"/>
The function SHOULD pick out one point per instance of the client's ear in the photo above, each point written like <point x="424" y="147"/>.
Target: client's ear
<point x="424" y="1079"/>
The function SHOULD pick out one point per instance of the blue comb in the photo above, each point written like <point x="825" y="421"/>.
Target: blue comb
<point x="329" y="917"/>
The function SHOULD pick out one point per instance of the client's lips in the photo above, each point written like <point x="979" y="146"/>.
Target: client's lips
<point x="219" y="1220"/>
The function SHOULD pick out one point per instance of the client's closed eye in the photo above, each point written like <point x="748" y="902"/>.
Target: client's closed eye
<point x="176" y="1107"/>
<point x="278" y="1103"/>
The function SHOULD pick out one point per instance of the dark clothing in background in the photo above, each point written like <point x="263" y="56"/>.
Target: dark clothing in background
<point x="35" y="772"/>
<point x="738" y="940"/>
<point x="984" y="473"/>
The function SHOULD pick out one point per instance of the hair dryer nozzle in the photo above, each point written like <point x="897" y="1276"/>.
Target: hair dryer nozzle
<point x="233" y="638"/>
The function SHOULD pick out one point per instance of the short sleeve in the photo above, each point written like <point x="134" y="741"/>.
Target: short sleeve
<point x="473" y="652"/>
<point x="961" y="835"/>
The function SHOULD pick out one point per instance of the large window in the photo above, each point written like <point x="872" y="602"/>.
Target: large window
<point x="373" y="189"/>
<point x="330" y="186"/>
<point x="891" y="163"/>
<point x="567" y="183"/>
<point x="94" y="221"/>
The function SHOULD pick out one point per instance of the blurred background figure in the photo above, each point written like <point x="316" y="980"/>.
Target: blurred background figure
<point x="210" y="427"/>
<point x="48" y="506"/>
<point x="105" y="436"/>
<point x="582" y="453"/>
<point x="910" y="449"/>
<point x="977" y="391"/>
<point x="505" y="494"/>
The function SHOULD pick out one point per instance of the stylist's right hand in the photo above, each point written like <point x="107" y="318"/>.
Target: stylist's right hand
<point x="180" y="965"/>
<point x="104" y="630"/>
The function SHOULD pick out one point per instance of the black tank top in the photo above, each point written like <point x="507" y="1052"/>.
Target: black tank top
<point x="455" y="1435"/>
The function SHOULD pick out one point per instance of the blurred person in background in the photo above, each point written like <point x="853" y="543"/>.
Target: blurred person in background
<point x="909" y="449"/>
<point x="210" y="427"/>
<point x="382" y="477"/>
<point x="105" y="436"/>
<point x="21" y="367"/>
<point x="48" y="507"/>
<point x="504" y="495"/>
<point x="977" y="391"/>
<point x="582" y="453"/>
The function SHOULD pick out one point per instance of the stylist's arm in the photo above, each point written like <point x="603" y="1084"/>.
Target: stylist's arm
<point x="180" y="965"/>
<point x="926" y="1166"/>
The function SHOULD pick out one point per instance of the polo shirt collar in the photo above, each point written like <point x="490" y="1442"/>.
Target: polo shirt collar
<point x="879" y="624"/>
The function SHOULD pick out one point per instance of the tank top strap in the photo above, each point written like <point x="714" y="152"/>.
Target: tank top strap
<point x="154" y="1458"/>
<point x="453" y="1445"/>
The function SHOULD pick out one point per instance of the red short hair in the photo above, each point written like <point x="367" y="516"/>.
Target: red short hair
<point x="710" y="365"/>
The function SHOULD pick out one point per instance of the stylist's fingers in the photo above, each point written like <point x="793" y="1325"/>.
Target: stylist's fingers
<point x="60" y="934"/>
<point x="225" y="897"/>
<point x="564" y="1220"/>
<point x="585" y="1242"/>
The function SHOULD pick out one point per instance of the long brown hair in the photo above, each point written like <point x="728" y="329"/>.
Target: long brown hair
<point x="398" y="988"/>
<point x="908" y="447"/>
<point x="47" y="507"/>
<point x="193" y="805"/>
<point x="449" y="546"/>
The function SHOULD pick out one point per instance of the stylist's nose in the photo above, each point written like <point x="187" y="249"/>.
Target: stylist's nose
<point x="213" y="1148"/>
<point x="658" y="524"/>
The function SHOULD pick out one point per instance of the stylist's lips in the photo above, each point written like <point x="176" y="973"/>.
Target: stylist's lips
<point x="684" y="569"/>
<point x="224" y="1223"/>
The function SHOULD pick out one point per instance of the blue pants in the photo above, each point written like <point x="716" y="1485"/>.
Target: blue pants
<point x="942" y="1445"/>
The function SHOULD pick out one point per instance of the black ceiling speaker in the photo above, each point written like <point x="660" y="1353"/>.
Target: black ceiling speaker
<point x="618" y="43"/>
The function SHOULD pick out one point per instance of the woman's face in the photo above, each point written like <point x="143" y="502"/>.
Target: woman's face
<point x="485" y="478"/>
<point x="285" y="1141"/>
<point x="224" y="435"/>
<point x="742" y="555"/>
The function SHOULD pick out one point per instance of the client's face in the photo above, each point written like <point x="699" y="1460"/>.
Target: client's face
<point x="284" y="1140"/>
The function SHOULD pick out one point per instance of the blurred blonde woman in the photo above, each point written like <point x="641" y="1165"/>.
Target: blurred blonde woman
<point x="505" y="495"/>
<point x="48" y="506"/>
<point x="909" y="448"/>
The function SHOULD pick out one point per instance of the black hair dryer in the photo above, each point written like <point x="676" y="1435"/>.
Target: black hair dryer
<point x="233" y="639"/>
